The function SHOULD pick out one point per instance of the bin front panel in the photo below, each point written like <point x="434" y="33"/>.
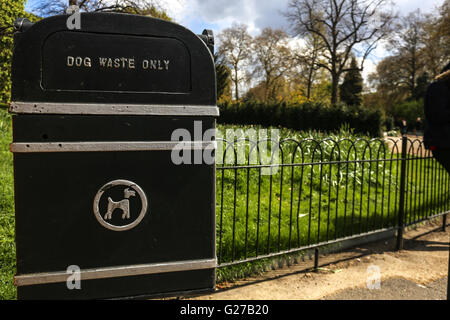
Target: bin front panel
<point x="57" y="227"/>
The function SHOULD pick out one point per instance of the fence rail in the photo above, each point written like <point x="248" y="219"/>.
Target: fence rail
<point x="279" y="197"/>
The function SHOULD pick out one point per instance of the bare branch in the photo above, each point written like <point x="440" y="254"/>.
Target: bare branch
<point x="342" y="25"/>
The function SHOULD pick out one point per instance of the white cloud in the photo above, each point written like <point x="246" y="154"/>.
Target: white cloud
<point x="368" y="68"/>
<point x="257" y="14"/>
<point x="425" y="6"/>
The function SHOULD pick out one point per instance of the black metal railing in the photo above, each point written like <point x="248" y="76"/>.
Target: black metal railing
<point x="293" y="195"/>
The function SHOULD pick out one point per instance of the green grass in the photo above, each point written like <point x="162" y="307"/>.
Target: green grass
<point x="7" y="245"/>
<point x="309" y="204"/>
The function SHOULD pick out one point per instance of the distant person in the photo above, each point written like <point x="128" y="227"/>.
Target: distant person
<point x="403" y="126"/>
<point x="418" y="127"/>
<point x="437" y="118"/>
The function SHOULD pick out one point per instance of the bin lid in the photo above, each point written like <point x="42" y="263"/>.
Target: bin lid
<point x="114" y="63"/>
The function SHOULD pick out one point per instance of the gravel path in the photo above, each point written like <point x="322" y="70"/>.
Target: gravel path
<point x="396" y="289"/>
<point x="417" y="272"/>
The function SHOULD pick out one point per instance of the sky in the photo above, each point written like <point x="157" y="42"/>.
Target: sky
<point x="197" y="15"/>
<point x="257" y="14"/>
<point x="217" y="15"/>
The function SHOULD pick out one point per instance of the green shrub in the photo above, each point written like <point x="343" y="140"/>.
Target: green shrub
<point x="303" y="117"/>
<point x="409" y="110"/>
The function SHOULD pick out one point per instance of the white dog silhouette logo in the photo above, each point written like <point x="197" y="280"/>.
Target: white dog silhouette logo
<point x="123" y="205"/>
<point x="130" y="190"/>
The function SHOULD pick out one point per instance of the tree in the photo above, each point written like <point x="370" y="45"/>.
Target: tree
<point x="351" y="89"/>
<point x="308" y="60"/>
<point x="142" y="7"/>
<point x="344" y="26"/>
<point x="10" y="10"/>
<point x="234" y="46"/>
<point x="406" y="44"/>
<point x="418" y="51"/>
<point x="389" y="82"/>
<point x="444" y="27"/>
<point x="436" y="39"/>
<point x="256" y="93"/>
<point x="421" y="86"/>
<point x="420" y="48"/>
<point x="282" y="93"/>
<point x="272" y="60"/>
<point x="223" y="74"/>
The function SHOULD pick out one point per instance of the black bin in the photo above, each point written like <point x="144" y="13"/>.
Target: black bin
<point x="98" y="195"/>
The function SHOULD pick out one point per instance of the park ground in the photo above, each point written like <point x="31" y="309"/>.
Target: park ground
<point x="419" y="271"/>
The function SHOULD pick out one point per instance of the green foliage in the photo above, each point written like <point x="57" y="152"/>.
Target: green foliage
<point x="303" y="117"/>
<point x="422" y="83"/>
<point x="302" y="205"/>
<point x="223" y="74"/>
<point x="10" y="10"/>
<point x="7" y="245"/>
<point x="409" y="110"/>
<point x="146" y="10"/>
<point x="279" y="208"/>
<point x="351" y="88"/>
<point x="160" y="14"/>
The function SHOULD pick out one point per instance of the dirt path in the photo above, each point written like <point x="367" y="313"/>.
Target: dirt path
<point x="414" y="145"/>
<point x="417" y="272"/>
<point x="396" y="289"/>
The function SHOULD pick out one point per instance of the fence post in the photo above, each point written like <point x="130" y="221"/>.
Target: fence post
<point x="316" y="259"/>
<point x="448" y="277"/>
<point x="401" y="208"/>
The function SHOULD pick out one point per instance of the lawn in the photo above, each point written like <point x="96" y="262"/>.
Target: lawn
<point x="7" y="246"/>
<point x="335" y="193"/>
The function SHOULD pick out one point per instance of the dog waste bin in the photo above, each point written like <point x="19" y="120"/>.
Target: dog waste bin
<point x="103" y="206"/>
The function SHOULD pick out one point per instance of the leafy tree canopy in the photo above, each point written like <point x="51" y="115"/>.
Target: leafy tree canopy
<point x="10" y="10"/>
<point x="351" y="88"/>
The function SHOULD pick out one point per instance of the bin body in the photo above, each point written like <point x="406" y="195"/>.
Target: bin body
<point x="96" y="185"/>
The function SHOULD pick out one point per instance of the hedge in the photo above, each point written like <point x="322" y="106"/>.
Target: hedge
<point x="306" y="116"/>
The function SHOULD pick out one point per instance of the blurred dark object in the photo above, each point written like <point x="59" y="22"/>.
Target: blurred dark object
<point x="437" y="127"/>
<point x="437" y="118"/>
<point x="437" y="112"/>
<point x="403" y="127"/>
<point x="418" y="126"/>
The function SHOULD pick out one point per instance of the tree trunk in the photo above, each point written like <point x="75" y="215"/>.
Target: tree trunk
<point x="334" y="88"/>
<point x="309" y="84"/>
<point x="236" y="84"/>
<point x="413" y="72"/>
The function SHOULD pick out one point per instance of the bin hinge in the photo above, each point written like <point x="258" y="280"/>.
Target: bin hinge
<point x="208" y="38"/>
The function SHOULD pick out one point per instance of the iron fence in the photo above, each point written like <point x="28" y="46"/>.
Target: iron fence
<point x="309" y="193"/>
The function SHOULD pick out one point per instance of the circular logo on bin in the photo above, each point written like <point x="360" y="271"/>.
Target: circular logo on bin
<point x="120" y="205"/>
